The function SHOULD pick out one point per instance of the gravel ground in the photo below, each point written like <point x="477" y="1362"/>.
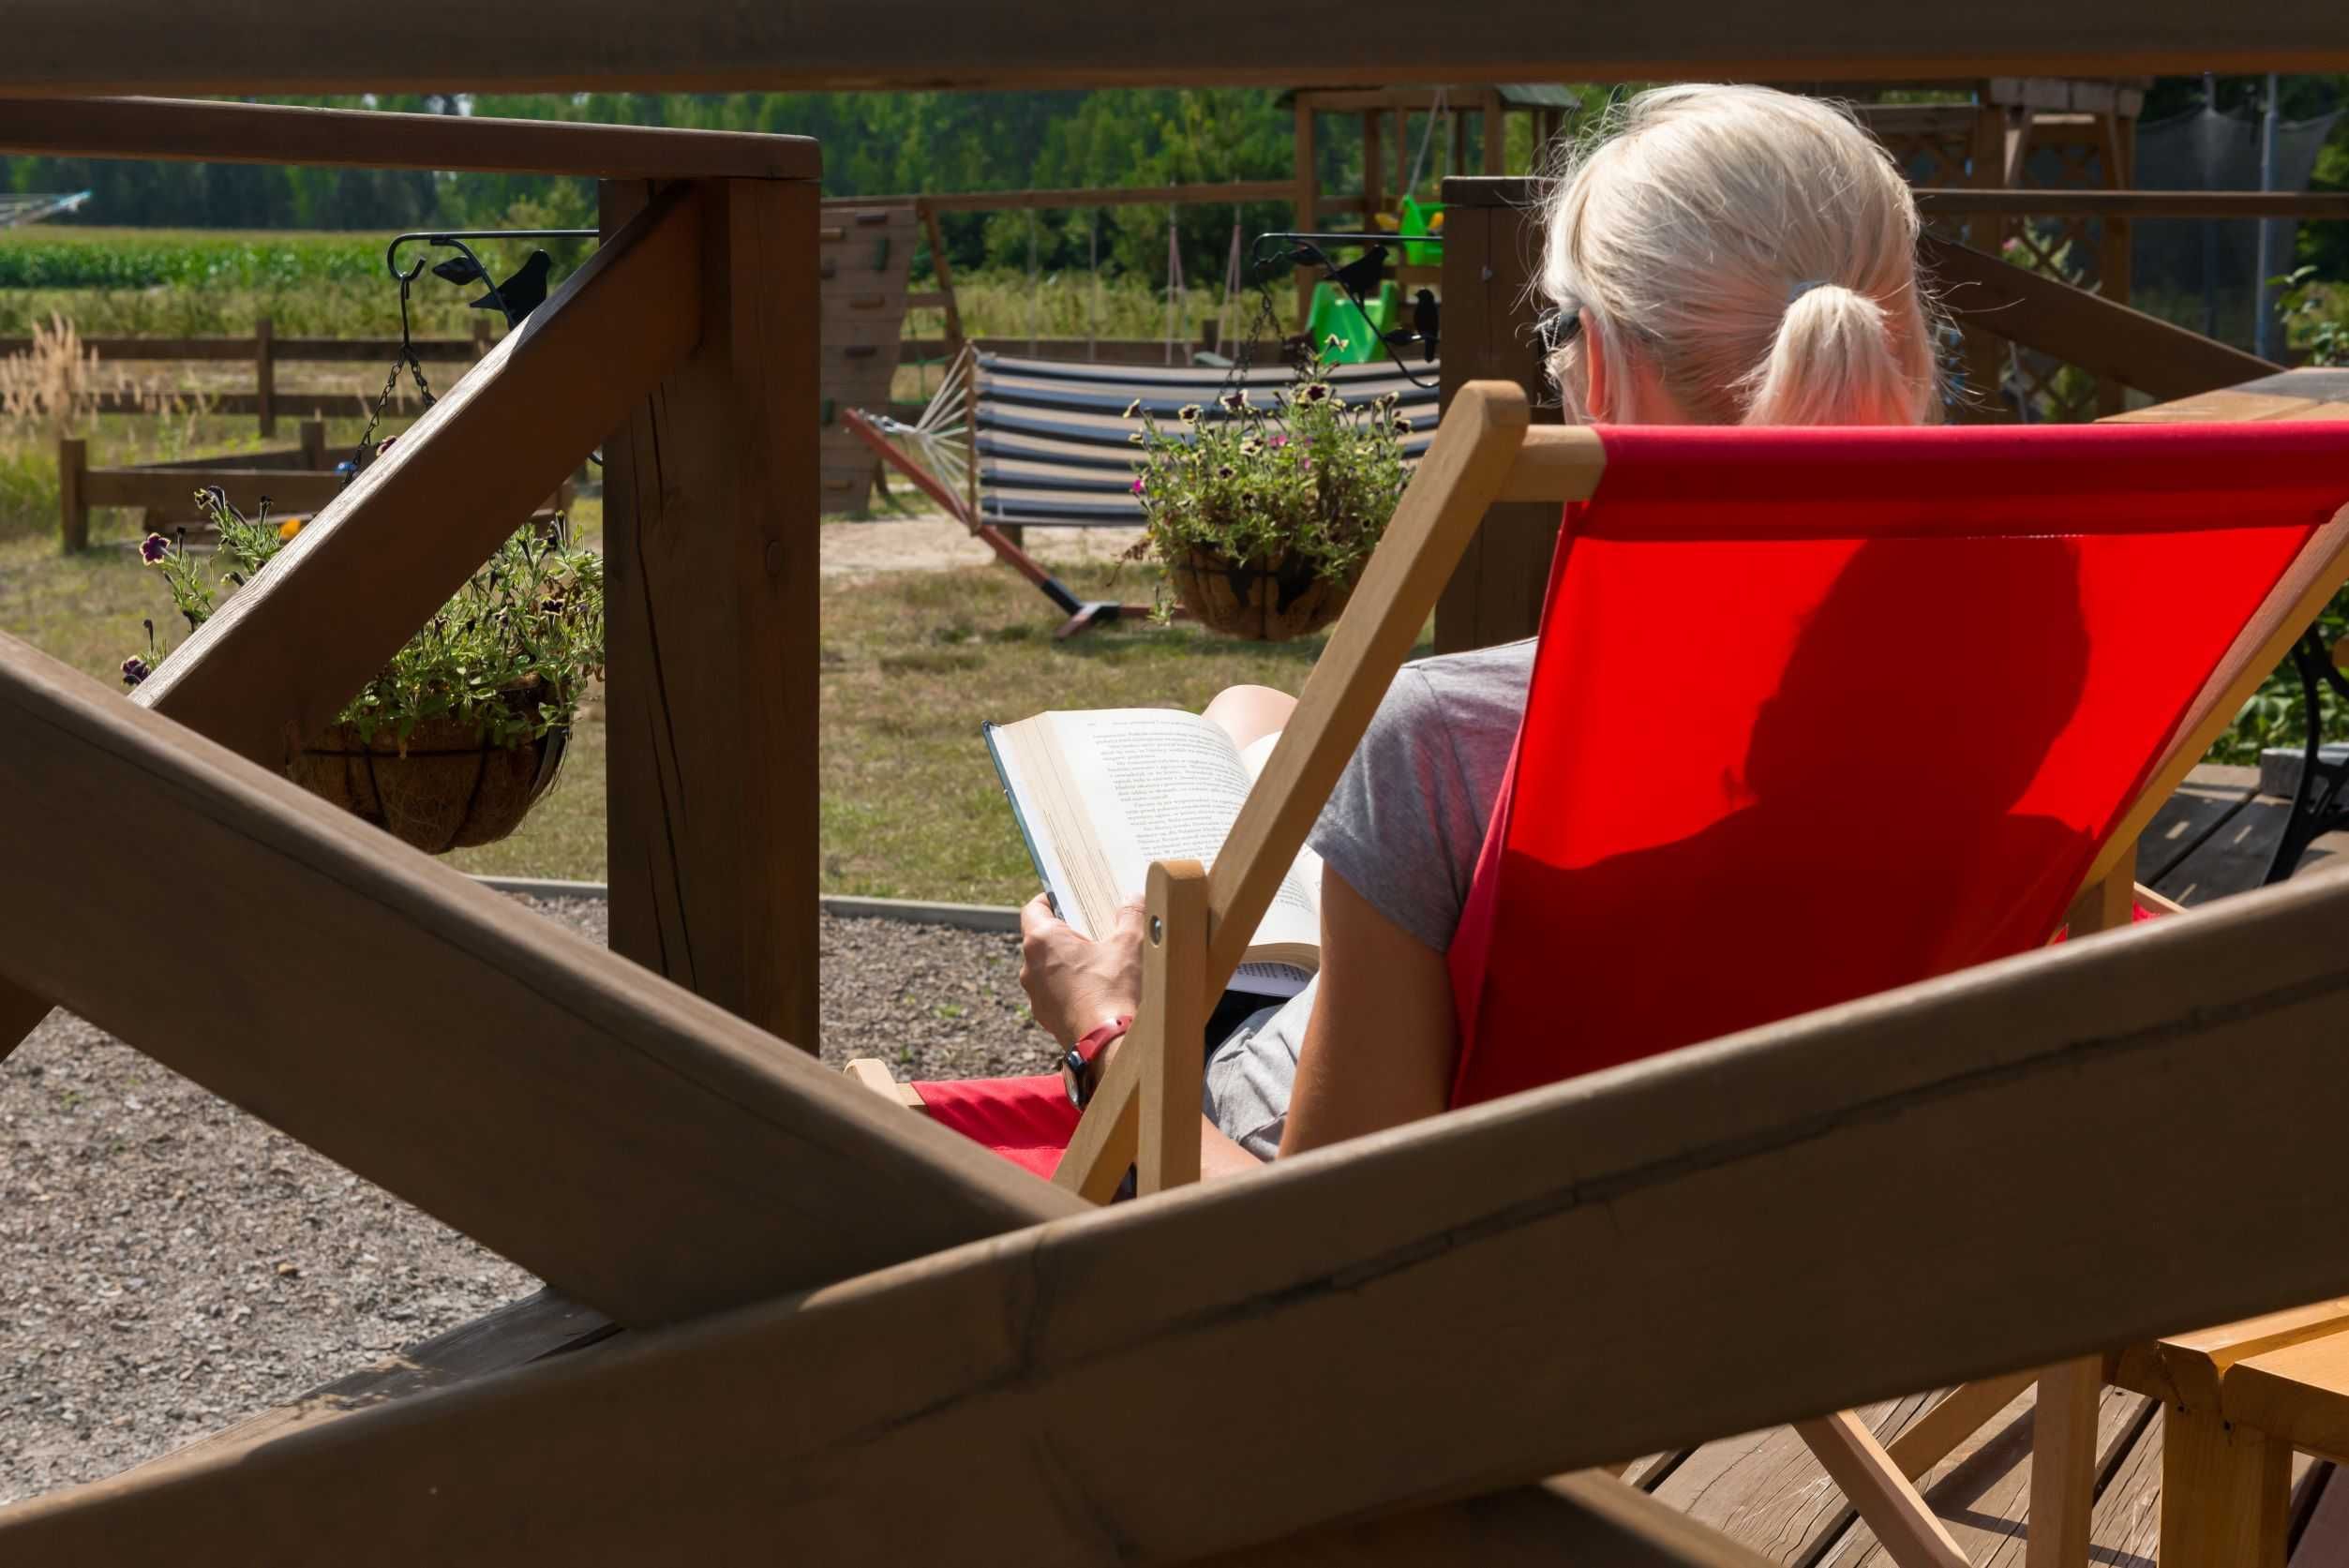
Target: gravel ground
<point x="172" y="1264"/>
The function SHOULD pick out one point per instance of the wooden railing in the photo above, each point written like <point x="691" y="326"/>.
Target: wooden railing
<point x="677" y="348"/>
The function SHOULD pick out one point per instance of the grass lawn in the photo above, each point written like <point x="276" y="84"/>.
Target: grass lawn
<point x="912" y="663"/>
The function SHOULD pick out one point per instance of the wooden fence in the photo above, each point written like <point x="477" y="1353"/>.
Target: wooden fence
<point x="297" y="481"/>
<point x="265" y="352"/>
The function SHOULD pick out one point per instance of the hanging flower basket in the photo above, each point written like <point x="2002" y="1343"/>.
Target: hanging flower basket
<point x="1293" y="599"/>
<point x="451" y="743"/>
<point x="1264" y="507"/>
<point x="448" y="788"/>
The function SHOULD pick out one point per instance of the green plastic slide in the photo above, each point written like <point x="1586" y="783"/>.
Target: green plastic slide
<point x="1361" y="339"/>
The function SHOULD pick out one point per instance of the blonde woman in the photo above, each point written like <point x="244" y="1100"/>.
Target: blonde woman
<point x="1721" y="255"/>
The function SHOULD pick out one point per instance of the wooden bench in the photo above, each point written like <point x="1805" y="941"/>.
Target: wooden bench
<point x="2235" y="1402"/>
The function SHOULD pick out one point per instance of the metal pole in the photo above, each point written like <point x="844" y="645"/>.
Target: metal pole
<point x="2265" y="336"/>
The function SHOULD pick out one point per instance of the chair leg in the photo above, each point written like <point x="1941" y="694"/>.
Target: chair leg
<point x="1958" y="1416"/>
<point x="2063" y="1464"/>
<point x="2226" y="1492"/>
<point x="1904" y="1524"/>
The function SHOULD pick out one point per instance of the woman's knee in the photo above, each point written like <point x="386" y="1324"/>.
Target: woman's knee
<point x="1249" y="713"/>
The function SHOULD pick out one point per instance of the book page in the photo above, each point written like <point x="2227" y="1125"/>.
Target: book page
<point x="1166" y="786"/>
<point x="1307" y="871"/>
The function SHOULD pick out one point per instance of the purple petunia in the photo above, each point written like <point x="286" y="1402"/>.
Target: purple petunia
<point x="153" y="549"/>
<point x="1139" y="485"/>
<point x="135" y="669"/>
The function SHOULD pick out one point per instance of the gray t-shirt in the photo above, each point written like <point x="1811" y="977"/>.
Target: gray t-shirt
<point x="1404" y="828"/>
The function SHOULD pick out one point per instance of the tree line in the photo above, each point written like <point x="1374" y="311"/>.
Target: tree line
<point x="890" y="144"/>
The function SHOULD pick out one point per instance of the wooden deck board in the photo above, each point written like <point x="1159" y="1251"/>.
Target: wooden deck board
<point x="1765" y="1490"/>
<point x="1983" y="1491"/>
<point x="2235" y="856"/>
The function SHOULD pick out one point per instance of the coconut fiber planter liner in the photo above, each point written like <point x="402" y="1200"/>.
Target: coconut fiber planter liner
<point x="1273" y="605"/>
<point x="448" y="789"/>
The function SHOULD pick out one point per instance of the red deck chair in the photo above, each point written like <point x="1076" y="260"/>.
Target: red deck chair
<point x="1816" y="714"/>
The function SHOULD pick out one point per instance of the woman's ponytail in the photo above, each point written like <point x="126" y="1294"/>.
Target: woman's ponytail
<point x="1833" y="362"/>
<point x="1753" y="253"/>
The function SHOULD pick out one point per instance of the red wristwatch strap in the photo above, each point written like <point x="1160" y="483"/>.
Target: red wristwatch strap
<point x="1097" y="1040"/>
<point x="1077" y="1067"/>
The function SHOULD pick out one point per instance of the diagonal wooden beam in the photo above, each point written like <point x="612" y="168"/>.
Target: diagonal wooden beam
<point x="285" y="654"/>
<point x="1467" y="1303"/>
<point x="2081" y="328"/>
<point x="643" y="1151"/>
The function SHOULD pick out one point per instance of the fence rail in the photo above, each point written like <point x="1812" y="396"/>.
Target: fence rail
<point x="265" y="352"/>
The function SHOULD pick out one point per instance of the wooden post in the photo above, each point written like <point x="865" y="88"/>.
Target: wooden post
<point x="73" y="530"/>
<point x="1496" y="118"/>
<point x="265" y="374"/>
<point x="945" y="271"/>
<point x="709" y="516"/>
<point x="314" y="445"/>
<point x="1308" y="200"/>
<point x="481" y="338"/>
<point x="2226" y="1491"/>
<point x="1374" y="175"/>
<point x="1495" y="595"/>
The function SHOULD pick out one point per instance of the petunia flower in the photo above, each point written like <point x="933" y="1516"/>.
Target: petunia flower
<point x="287" y="528"/>
<point x="1139" y="485"/>
<point x="136" y="669"/>
<point x="1189" y="414"/>
<point x="1133" y="407"/>
<point x="154" y="548"/>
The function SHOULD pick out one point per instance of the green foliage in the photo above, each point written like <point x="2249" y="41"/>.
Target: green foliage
<point x="52" y="256"/>
<point x="2315" y="316"/>
<point x="512" y="653"/>
<point x="1309" y="480"/>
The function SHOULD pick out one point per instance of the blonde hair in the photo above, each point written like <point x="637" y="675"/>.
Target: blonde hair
<point x="1755" y="249"/>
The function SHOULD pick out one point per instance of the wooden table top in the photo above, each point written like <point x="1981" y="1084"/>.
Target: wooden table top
<point x="2313" y="393"/>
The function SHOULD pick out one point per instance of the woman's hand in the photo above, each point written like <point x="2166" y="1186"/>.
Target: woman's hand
<point x="1075" y="985"/>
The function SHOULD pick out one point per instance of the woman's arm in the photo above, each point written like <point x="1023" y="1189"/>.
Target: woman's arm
<point x="1379" y="1049"/>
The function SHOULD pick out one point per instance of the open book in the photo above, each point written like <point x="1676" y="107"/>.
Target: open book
<point x="1099" y="795"/>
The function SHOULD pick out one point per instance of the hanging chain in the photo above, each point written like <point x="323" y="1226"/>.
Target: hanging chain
<point x="406" y="360"/>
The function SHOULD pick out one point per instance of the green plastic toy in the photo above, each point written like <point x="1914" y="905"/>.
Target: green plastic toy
<point x="1362" y="339"/>
<point x="1419" y="219"/>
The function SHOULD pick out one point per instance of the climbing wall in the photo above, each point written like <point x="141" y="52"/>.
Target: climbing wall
<point x="865" y="252"/>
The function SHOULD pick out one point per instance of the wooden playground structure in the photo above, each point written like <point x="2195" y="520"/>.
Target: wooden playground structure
<point x="782" y="1317"/>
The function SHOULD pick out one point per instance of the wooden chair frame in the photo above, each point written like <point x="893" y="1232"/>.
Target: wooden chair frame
<point x="860" y="1296"/>
<point x="1144" y="1113"/>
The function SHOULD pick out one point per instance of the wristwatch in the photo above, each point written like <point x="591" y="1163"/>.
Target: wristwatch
<point x="1076" y="1067"/>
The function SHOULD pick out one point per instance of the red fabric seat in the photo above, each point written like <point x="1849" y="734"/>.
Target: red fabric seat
<point x="1028" y="1121"/>
<point x="1817" y="713"/>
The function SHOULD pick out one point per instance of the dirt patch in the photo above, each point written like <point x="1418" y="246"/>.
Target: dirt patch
<point x="170" y="1265"/>
<point x="939" y="544"/>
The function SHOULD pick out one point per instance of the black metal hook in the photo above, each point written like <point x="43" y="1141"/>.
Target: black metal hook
<point x="454" y="239"/>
